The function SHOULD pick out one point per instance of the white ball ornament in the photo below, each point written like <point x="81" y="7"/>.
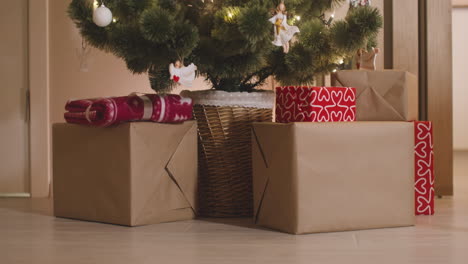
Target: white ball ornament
<point x="102" y="16"/>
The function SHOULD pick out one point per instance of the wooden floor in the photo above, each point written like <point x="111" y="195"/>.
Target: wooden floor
<point x="29" y="234"/>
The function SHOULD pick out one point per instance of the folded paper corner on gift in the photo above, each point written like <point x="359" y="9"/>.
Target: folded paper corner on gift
<point x="258" y="151"/>
<point x="383" y="106"/>
<point x="267" y="156"/>
<point x="176" y="177"/>
<point x="183" y="169"/>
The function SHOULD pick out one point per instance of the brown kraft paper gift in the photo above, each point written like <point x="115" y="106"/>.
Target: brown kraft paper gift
<point x="389" y="95"/>
<point x="132" y="174"/>
<point x="326" y="177"/>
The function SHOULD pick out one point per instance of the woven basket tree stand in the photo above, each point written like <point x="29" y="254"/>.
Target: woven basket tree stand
<point x="225" y="156"/>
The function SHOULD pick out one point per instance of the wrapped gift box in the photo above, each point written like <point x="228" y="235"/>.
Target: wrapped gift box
<point x="315" y="104"/>
<point x="424" y="168"/>
<point x="132" y="174"/>
<point x="324" y="177"/>
<point x="389" y="95"/>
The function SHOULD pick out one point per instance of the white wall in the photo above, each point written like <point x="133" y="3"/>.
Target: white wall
<point x="460" y="78"/>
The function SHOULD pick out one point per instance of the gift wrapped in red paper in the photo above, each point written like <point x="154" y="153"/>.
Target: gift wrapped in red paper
<point x="104" y="112"/>
<point x="315" y="104"/>
<point x="424" y="168"/>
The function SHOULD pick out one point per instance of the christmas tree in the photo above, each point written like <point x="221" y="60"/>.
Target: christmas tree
<point x="236" y="44"/>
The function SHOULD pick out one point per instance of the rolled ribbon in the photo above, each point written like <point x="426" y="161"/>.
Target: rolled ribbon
<point x="162" y="112"/>
<point x="147" y="107"/>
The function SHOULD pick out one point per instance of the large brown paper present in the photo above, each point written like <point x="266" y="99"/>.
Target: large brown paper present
<point x="132" y="174"/>
<point x="389" y="95"/>
<point x="325" y="177"/>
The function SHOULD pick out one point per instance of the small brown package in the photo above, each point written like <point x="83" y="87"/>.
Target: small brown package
<point x="389" y="95"/>
<point x="132" y="174"/>
<point x="325" y="177"/>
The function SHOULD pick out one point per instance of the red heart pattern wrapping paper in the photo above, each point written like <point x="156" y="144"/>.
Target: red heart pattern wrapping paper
<point x="424" y="168"/>
<point x="315" y="104"/>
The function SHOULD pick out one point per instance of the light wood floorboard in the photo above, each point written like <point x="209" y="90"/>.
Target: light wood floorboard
<point x="29" y="234"/>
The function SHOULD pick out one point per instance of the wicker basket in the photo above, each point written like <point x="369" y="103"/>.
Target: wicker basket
<point x="225" y="166"/>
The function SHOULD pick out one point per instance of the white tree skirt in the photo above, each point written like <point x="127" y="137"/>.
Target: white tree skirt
<point x="264" y="99"/>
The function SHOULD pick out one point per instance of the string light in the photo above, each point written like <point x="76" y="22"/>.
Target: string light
<point x="328" y="21"/>
<point x="298" y="18"/>
<point x="231" y="14"/>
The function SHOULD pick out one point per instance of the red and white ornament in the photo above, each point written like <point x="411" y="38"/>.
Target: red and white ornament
<point x="181" y="74"/>
<point x="357" y="3"/>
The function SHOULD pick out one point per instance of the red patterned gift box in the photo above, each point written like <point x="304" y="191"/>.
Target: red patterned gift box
<point x="424" y="168"/>
<point x="315" y="104"/>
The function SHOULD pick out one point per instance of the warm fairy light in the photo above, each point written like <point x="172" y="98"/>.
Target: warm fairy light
<point x="114" y="20"/>
<point x="332" y="15"/>
<point x="341" y="61"/>
<point x="334" y="70"/>
<point x="298" y="18"/>
<point x="231" y="14"/>
<point x="95" y="4"/>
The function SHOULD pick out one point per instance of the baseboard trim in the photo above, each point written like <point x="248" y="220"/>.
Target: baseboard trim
<point x="15" y="195"/>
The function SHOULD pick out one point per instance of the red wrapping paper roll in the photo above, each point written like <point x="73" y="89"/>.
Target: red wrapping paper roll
<point x="103" y="112"/>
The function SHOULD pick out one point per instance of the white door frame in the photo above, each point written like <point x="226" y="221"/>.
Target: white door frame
<point x="28" y="171"/>
<point x="39" y="98"/>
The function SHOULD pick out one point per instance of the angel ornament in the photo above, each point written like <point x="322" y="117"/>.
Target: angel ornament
<point x="83" y="55"/>
<point x="367" y="59"/>
<point x="283" y="32"/>
<point x="181" y="74"/>
<point x="357" y="3"/>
